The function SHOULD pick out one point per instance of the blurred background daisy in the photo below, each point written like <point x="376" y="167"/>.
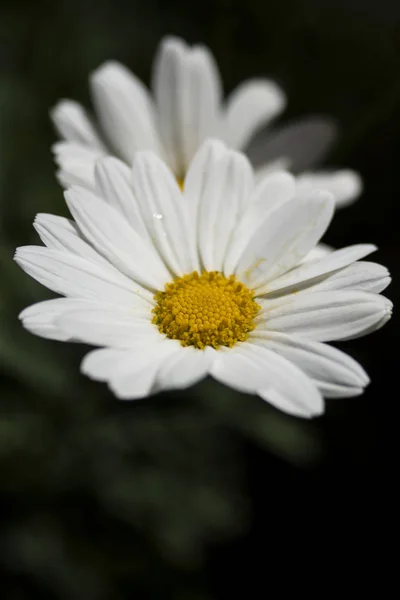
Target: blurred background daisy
<point x="185" y="495"/>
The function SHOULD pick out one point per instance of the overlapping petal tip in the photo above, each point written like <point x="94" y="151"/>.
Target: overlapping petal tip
<point x="320" y="251"/>
<point x="76" y="163"/>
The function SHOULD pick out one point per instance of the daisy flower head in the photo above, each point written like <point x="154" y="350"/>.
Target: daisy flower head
<point x="184" y="107"/>
<point x="221" y="279"/>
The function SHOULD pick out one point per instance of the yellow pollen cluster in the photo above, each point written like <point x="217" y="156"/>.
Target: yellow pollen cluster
<point x="180" y="181"/>
<point x="205" y="310"/>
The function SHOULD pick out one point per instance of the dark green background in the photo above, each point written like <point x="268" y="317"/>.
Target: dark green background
<point x="197" y="495"/>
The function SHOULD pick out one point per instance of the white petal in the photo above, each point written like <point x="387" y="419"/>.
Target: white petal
<point x="74" y="125"/>
<point x="270" y="194"/>
<point x="130" y="373"/>
<point x="250" y="106"/>
<point x="120" y="327"/>
<point x="74" y="276"/>
<point x="62" y="234"/>
<point x="363" y="276"/>
<point x="185" y="367"/>
<point x="102" y="363"/>
<point x="125" y="110"/>
<point x="136" y="378"/>
<point x="203" y="164"/>
<point x="336" y="374"/>
<point x="325" y="316"/>
<point x="256" y="370"/>
<point x="113" y="184"/>
<point x="76" y="164"/>
<point x="225" y="190"/>
<point x="301" y="143"/>
<point x="286" y="236"/>
<point x="114" y="238"/>
<point x="345" y="185"/>
<point x="187" y="90"/>
<point x="164" y="212"/>
<point x="41" y="318"/>
<point x="312" y="273"/>
<point x="139" y="383"/>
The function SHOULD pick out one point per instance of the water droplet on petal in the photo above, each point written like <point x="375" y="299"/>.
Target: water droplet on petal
<point x="158" y="215"/>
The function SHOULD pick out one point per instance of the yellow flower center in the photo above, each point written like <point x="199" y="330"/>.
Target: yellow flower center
<point x="180" y="181"/>
<point x="205" y="310"/>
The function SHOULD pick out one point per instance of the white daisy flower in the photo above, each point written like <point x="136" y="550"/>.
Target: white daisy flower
<point x="186" y="106"/>
<point x="222" y="279"/>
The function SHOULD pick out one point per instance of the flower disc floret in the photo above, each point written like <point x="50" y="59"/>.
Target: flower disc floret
<point x="205" y="310"/>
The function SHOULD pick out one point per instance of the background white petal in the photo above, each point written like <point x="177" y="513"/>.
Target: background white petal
<point x="302" y="144"/>
<point x="187" y="90"/>
<point x="250" y="106"/>
<point x="125" y="110"/>
<point x="74" y="125"/>
<point x="345" y="185"/>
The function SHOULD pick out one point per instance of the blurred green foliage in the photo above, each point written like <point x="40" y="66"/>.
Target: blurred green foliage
<point x="109" y="500"/>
